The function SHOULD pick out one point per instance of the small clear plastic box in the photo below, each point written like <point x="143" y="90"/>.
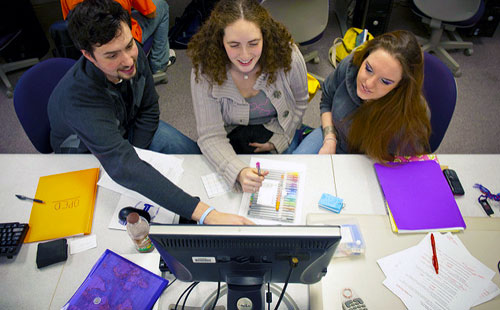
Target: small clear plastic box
<point x="352" y="242"/>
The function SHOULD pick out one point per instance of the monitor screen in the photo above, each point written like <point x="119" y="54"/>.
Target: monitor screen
<point x="246" y="256"/>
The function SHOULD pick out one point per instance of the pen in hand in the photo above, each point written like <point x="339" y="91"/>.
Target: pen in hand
<point x="258" y="168"/>
<point x="434" y="255"/>
<point x="30" y="199"/>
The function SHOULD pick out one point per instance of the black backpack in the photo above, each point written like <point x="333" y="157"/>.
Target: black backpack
<point x="195" y="14"/>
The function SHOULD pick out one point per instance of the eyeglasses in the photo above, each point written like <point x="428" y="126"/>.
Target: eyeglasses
<point x="486" y="193"/>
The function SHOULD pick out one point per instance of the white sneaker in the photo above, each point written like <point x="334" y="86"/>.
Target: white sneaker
<point x="172" y="57"/>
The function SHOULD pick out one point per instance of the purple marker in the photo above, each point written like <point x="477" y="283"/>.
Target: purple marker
<point x="258" y="168"/>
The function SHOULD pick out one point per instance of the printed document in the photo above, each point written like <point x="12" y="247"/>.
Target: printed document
<point x="461" y="283"/>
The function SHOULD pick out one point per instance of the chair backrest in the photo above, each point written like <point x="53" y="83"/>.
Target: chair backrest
<point x="440" y="91"/>
<point x="31" y="97"/>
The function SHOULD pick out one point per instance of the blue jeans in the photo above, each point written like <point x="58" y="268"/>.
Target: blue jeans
<point x="158" y="28"/>
<point x="312" y="143"/>
<point x="168" y="140"/>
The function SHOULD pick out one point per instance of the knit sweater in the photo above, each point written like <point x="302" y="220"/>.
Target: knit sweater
<point x="217" y="107"/>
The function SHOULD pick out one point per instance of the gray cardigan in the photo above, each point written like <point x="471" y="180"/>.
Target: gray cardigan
<point x="220" y="106"/>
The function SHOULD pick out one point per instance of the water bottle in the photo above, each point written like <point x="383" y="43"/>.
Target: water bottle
<point x="138" y="230"/>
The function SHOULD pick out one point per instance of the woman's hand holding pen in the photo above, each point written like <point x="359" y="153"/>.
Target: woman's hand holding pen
<point x="250" y="179"/>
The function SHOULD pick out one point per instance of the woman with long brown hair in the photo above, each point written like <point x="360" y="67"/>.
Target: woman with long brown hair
<point x="373" y="103"/>
<point x="249" y="88"/>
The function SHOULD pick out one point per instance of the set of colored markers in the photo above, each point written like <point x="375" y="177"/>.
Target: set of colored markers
<point x="285" y="205"/>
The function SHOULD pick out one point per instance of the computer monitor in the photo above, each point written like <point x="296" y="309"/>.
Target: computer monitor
<point x="246" y="257"/>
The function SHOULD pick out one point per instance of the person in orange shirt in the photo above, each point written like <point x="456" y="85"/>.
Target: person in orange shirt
<point x="151" y="19"/>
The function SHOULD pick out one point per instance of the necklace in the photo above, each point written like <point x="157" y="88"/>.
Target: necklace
<point x="245" y="76"/>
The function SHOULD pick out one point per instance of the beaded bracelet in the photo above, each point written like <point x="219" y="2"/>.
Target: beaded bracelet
<point x="202" y="218"/>
<point x="329" y="138"/>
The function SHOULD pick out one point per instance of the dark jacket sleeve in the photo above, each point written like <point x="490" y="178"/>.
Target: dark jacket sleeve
<point x="148" y="116"/>
<point x="96" y="128"/>
<point x="90" y="112"/>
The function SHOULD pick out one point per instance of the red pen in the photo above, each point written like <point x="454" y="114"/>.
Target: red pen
<point x="434" y="255"/>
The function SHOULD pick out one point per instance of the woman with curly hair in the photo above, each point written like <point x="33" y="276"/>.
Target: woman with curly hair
<point x="248" y="79"/>
<point x="373" y="104"/>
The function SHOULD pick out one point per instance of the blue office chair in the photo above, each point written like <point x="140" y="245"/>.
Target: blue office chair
<point x="446" y="16"/>
<point x="31" y="97"/>
<point x="440" y="91"/>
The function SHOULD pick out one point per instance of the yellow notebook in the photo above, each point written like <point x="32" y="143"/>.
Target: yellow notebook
<point x="69" y="205"/>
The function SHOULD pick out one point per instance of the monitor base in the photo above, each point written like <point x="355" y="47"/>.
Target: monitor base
<point x="275" y="289"/>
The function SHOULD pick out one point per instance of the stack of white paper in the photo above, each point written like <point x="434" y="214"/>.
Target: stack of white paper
<point x="168" y="165"/>
<point x="462" y="281"/>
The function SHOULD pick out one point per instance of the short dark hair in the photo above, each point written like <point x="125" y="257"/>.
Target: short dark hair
<point x="96" y="22"/>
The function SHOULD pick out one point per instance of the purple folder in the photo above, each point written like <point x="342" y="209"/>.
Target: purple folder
<point x="419" y="197"/>
<point x="116" y="283"/>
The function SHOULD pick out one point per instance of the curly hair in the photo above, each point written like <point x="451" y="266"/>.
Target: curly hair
<point x="206" y="48"/>
<point x="94" y="23"/>
<point x="401" y="115"/>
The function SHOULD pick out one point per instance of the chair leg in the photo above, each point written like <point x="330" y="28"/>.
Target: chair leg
<point x="312" y="56"/>
<point x="21" y="64"/>
<point x="6" y="81"/>
<point x="452" y="45"/>
<point x="461" y="44"/>
<point x="448" y="60"/>
<point x="12" y="66"/>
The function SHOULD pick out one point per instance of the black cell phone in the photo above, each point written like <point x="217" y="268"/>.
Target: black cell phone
<point x="453" y="181"/>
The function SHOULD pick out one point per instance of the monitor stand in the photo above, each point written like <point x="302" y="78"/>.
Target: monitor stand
<point x="205" y="299"/>
<point x="275" y="289"/>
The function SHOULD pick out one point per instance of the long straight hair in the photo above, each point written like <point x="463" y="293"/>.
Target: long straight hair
<point x="400" y="116"/>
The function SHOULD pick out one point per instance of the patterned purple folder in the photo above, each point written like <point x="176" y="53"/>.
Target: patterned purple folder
<point x="419" y="197"/>
<point x="116" y="283"/>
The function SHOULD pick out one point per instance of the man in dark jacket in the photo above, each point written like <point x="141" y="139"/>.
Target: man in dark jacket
<point x="107" y="103"/>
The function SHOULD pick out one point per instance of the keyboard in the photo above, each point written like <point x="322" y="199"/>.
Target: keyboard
<point x="11" y="238"/>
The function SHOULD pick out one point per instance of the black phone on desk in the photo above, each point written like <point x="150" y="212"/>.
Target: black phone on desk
<point x="453" y="181"/>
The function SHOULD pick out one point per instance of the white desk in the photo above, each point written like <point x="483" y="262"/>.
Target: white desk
<point x="23" y="286"/>
<point x="363" y="274"/>
<point x="356" y="182"/>
<point x="472" y="169"/>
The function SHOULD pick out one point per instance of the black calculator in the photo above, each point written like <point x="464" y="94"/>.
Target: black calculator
<point x="11" y="238"/>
